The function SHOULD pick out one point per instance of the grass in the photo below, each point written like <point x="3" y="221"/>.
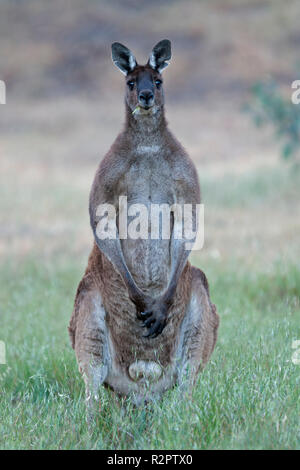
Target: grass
<point x="247" y="397"/>
<point x="274" y="187"/>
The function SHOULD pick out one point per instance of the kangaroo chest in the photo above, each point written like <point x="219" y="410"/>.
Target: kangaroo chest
<point x="149" y="191"/>
<point x="149" y="178"/>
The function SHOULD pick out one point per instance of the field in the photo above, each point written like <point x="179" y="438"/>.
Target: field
<point x="54" y="129"/>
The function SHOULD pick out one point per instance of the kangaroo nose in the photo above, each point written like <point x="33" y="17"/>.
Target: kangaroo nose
<point x="146" y="97"/>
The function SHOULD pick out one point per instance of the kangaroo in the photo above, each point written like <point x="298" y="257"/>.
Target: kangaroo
<point x="142" y="318"/>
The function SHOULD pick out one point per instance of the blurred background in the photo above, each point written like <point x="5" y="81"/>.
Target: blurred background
<point x="65" y="107"/>
<point x="228" y="100"/>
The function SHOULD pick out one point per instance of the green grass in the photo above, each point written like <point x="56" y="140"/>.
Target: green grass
<point x="247" y="397"/>
<point x="263" y="186"/>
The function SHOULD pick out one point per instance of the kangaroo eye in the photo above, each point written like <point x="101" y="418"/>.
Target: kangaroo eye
<point x="130" y="84"/>
<point x="158" y="83"/>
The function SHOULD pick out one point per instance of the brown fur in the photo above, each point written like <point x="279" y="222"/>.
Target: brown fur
<point x="155" y="276"/>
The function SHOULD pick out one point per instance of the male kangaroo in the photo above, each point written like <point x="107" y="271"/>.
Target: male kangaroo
<point x="142" y="320"/>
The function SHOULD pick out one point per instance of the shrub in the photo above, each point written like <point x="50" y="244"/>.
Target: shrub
<point x="269" y="106"/>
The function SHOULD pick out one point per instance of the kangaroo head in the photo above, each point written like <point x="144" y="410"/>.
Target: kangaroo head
<point x="144" y="91"/>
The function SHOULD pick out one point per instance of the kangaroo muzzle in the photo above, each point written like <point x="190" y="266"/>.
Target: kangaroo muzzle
<point x="146" y="99"/>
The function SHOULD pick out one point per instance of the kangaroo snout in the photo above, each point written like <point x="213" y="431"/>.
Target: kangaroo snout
<point x="146" y="98"/>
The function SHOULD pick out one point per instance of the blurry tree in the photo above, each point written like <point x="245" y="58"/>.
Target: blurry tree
<point x="269" y="106"/>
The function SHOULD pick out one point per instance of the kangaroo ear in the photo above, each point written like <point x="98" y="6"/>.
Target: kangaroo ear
<point x="123" y="58"/>
<point x="160" y="55"/>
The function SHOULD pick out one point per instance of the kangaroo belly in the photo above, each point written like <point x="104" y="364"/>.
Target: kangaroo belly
<point x="149" y="262"/>
<point x="149" y="226"/>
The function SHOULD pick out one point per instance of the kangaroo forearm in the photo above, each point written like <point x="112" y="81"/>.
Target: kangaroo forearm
<point x="179" y="252"/>
<point x="111" y="248"/>
<point x="113" y="252"/>
<point x="178" y="263"/>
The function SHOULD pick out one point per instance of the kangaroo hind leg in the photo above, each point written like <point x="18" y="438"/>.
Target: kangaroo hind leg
<point x="198" y="331"/>
<point x="91" y="345"/>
